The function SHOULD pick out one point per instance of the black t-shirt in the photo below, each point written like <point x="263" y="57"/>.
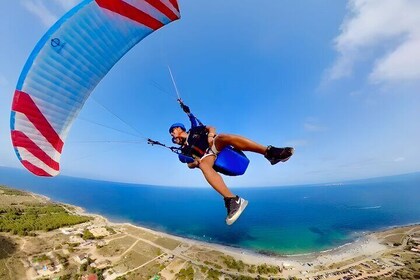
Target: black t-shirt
<point x="197" y="142"/>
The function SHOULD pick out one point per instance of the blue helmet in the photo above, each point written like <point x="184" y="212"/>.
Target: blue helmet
<point x="177" y="125"/>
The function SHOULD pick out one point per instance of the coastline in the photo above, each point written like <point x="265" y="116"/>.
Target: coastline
<point x="365" y="247"/>
<point x="334" y="254"/>
<point x="114" y="249"/>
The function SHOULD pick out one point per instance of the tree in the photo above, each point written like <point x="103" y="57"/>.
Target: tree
<point x="87" y="235"/>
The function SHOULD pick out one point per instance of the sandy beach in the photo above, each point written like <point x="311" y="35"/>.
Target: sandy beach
<point x="126" y="251"/>
<point x="367" y="245"/>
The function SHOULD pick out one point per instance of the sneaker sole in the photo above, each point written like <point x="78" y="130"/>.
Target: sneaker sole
<point x="230" y="221"/>
<point x="292" y="151"/>
<point x="273" y="162"/>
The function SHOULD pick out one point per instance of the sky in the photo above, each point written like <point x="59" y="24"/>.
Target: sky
<point x="337" y="80"/>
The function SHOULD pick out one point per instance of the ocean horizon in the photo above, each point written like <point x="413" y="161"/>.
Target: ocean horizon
<point x="278" y="220"/>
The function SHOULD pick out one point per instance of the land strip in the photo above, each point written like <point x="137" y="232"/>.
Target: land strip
<point x="91" y="246"/>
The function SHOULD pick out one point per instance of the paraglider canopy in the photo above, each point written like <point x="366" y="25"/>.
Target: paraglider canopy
<point x="67" y="64"/>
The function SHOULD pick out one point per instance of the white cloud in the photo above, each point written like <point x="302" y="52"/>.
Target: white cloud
<point x="38" y="8"/>
<point x="67" y="4"/>
<point x="313" y="126"/>
<point x="391" y="26"/>
<point x="297" y="143"/>
<point x="402" y="64"/>
<point x="49" y="11"/>
<point x="399" y="159"/>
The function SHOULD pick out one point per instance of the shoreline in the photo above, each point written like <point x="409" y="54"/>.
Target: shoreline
<point x="318" y="257"/>
<point x="121" y="248"/>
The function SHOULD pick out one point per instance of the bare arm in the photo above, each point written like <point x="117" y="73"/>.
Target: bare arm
<point x="211" y="133"/>
<point x="194" y="164"/>
<point x="211" y="130"/>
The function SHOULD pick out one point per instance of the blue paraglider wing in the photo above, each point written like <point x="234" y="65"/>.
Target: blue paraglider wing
<point x="67" y="64"/>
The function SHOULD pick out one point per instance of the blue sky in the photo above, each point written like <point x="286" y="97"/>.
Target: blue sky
<point x="338" y="80"/>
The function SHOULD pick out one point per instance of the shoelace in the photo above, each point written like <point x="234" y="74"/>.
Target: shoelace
<point x="231" y="203"/>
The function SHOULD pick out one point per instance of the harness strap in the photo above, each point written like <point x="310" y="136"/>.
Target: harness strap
<point x="197" y="149"/>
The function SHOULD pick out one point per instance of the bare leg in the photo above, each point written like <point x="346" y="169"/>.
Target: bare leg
<point x="214" y="178"/>
<point x="238" y="142"/>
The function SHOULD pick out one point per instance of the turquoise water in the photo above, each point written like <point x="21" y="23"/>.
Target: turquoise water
<point x="285" y="220"/>
<point x="291" y="240"/>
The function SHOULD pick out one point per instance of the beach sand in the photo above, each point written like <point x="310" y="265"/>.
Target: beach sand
<point x="137" y="252"/>
<point x="366" y="247"/>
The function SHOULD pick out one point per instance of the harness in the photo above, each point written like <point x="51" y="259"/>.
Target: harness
<point x="229" y="161"/>
<point x="197" y="142"/>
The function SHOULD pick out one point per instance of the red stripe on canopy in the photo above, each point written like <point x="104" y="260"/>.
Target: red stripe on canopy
<point x="34" y="169"/>
<point x="19" y="139"/>
<point x="122" y="8"/>
<point x="163" y="9"/>
<point x="24" y="104"/>
<point x="175" y="4"/>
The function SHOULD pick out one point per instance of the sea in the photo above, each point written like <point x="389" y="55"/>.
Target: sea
<point x="278" y="220"/>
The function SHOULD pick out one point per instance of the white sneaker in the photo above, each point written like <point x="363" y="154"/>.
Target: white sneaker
<point x="235" y="206"/>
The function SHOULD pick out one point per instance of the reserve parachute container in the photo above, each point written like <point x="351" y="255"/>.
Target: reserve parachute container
<point x="67" y="64"/>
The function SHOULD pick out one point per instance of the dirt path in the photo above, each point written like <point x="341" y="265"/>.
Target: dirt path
<point x="134" y="269"/>
<point x="6" y="264"/>
<point x="22" y="246"/>
<point x="129" y="249"/>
